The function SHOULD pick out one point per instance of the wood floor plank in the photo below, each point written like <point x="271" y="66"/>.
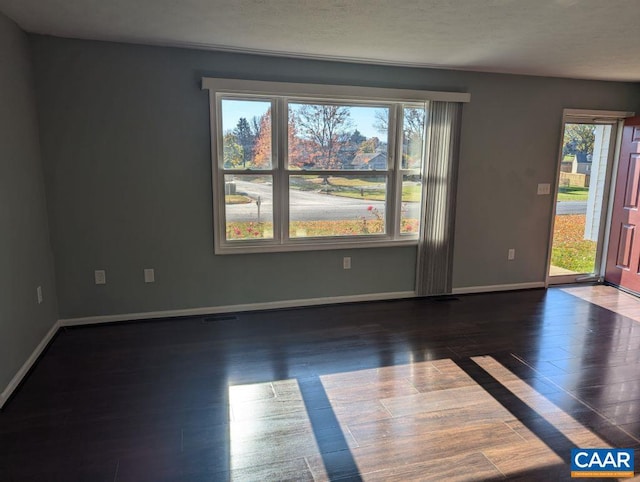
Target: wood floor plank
<point x="295" y="470"/>
<point x="352" y="392"/>
<point x="270" y="408"/>
<point x="523" y="456"/>
<point x="580" y="435"/>
<point x="436" y="400"/>
<point x="471" y="467"/>
<point x="360" y="411"/>
<point x="417" y="425"/>
<point x="426" y="447"/>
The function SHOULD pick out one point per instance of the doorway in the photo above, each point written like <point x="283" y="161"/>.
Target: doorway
<point x="582" y="194"/>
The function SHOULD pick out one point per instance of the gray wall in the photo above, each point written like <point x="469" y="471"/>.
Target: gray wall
<point x="25" y="255"/>
<point x="125" y="135"/>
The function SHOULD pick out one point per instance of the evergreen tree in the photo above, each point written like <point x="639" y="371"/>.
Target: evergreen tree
<point x="246" y="138"/>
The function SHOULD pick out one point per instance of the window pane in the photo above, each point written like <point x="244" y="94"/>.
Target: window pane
<point x="248" y="207"/>
<point x="246" y="134"/>
<point x="413" y="137"/>
<point x="332" y="136"/>
<point x="410" y="209"/>
<point x="336" y="205"/>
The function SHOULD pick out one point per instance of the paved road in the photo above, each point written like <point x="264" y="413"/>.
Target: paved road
<point x="571" y="207"/>
<point x="314" y="206"/>
<point x="305" y="205"/>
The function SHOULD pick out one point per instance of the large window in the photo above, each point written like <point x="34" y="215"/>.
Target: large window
<point x="316" y="170"/>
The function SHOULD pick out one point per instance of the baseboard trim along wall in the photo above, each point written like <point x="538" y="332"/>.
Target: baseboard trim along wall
<point x="24" y="369"/>
<point x="509" y="287"/>
<point x="212" y="310"/>
<point x="92" y="320"/>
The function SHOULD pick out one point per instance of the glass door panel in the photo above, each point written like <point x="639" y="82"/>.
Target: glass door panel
<point x="581" y="201"/>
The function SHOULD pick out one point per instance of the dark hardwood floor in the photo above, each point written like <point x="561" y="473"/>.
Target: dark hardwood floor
<point x="478" y="387"/>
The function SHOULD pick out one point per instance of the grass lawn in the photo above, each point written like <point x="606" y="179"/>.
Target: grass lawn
<point x="570" y="249"/>
<point x="567" y="193"/>
<point x="357" y="188"/>
<point x="373" y="195"/>
<point x="237" y="199"/>
<point x="410" y="194"/>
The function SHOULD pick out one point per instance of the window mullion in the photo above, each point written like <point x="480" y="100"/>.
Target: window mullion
<point x="394" y="197"/>
<point x="283" y="180"/>
<point x="219" y="210"/>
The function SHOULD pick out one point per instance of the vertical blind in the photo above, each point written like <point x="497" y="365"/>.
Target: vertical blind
<point x="435" y="246"/>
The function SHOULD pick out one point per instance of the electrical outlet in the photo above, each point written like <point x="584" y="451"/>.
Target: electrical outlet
<point x="512" y="254"/>
<point x="346" y="262"/>
<point x="544" y="188"/>
<point x="100" y="276"/>
<point x="39" y="294"/>
<point x="149" y="275"/>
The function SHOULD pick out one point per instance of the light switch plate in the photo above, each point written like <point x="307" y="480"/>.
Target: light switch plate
<point x="149" y="275"/>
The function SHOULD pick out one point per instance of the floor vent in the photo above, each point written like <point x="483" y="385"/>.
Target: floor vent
<point x="213" y="318"/>
<point x="444" y="298"/>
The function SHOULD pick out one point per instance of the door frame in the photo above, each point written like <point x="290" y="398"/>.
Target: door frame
<point x="615" y="119"/>
<point x="612" y="193"/>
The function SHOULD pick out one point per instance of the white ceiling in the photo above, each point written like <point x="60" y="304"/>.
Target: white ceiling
<point x="591" y="39"/>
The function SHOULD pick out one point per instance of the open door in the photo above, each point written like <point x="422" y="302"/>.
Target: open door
<point x="582" y="193"/>
<point x="623" y="254"/>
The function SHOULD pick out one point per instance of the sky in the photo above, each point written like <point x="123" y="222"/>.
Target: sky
<point x="362" y="118"/>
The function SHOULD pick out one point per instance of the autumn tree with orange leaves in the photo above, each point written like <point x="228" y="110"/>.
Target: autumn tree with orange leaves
<point x="262" y="147"/>
<point x="321" y="131"/>
<point x="295" y="148"/>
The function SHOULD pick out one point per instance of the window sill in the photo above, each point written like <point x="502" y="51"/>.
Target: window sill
<point x="242" y="248"/>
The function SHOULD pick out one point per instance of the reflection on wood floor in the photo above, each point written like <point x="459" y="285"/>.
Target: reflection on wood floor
<point x="608" y="297"/>
<point x="479" y="387"/>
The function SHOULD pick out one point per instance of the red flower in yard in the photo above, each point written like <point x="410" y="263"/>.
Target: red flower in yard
<point x="370" y="208"/>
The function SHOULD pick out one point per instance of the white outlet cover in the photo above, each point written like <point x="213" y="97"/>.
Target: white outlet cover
<point x="149" y="275"/>
<point x="544" y="188"/>
<point x="100" y="276"/>
<point x="346" y="262"/>
<point x="39" y="294"/>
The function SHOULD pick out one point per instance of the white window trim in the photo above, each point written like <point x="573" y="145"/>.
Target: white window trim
<point x="292" y="91"/>
<point x="592" y="115"/>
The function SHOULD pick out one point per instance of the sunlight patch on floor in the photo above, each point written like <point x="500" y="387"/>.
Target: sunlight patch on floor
<point x="400" y="421"/>
<point x="608" y="297"/>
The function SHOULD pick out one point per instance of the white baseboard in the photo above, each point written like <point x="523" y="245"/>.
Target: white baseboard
<point x="271" y="305"/>
<point x="24" y="369"/>
<point x="212" y="310"/>
<point x="509" y="287"/>
<point x="90" y="320"/>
